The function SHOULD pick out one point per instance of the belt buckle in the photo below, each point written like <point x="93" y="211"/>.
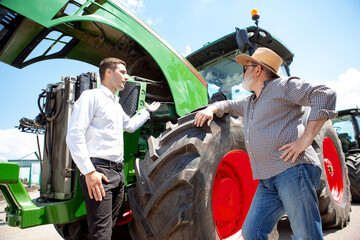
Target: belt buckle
<point x="119" y="166"/>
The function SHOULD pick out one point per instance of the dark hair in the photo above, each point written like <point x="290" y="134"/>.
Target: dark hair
<point x="111" y="63"/>
<point x="270" y="74"/>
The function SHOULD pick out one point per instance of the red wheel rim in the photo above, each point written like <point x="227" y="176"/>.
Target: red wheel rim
<point x="333" y="169"/>
<point x="233" y="191"/>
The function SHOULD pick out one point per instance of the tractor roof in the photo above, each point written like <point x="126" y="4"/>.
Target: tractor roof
<point x="350" y="111"/>
<point x="228" y="44"/>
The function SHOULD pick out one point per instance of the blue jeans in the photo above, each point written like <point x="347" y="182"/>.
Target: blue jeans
<point x="293" y="192"/>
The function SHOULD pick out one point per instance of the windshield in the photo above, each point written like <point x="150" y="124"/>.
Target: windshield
<point x="357" y="120"/>
<point x="345" y="129"/>
<point x="225" y="75"/>
<point x="343" y="126"/>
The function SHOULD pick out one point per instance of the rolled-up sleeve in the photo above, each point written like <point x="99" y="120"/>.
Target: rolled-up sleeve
<point x="320" y="98"/>
<point x="324" y="106"/>
<point x="234" y="107"/>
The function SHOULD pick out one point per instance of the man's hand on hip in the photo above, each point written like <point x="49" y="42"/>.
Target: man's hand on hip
<point x="94" y="185"/>
<point x="294" y="149"/>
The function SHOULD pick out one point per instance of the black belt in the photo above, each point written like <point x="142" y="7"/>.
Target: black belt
<point x="107" y="163"/>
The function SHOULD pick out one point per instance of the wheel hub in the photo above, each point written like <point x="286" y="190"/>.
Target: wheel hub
<point x="329" y="167"/>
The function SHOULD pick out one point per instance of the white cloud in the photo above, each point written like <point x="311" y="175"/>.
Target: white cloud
<point x="187" y="51"/>
<point x="347" y="87"/>
<point x="150" y="21"/>
<point x="159" y="20"/>
<point x="138" y="6"/>
<point x="134" y="5"/>
<point x="15" y="144"/>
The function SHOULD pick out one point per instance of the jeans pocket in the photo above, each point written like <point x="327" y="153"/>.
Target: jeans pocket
<point x="315" y="175"/>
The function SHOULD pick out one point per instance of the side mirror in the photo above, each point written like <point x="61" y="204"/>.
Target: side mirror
<point x="242" y="40"/>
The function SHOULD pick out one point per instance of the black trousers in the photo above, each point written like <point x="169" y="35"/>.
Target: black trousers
<point x="102" y="215"/>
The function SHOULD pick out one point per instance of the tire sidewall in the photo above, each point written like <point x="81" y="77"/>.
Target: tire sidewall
<point x="341" y="209"/>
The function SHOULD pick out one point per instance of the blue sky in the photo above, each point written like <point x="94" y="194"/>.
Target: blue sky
<point x="324" y="36"/>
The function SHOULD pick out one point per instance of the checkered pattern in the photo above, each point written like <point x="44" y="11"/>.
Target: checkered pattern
<point x="275" y="119"/>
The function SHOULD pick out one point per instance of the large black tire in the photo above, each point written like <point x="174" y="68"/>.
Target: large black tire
<point x="334" y="191"/>
<point x="173" y="195"/>
<point x="353" y="165"/>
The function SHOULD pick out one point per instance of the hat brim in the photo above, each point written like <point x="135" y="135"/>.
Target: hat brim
<point x="243" y="59"/>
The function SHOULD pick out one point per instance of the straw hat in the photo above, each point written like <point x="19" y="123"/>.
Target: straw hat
<point x="264" y="57"/>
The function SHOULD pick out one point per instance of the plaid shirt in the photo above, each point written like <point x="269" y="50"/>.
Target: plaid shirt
<point x="275" y="119"/>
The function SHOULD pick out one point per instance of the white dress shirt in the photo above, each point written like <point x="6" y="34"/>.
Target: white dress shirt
<point x="96" y="128"/>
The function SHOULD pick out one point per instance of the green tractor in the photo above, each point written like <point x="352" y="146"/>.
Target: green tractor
<point x="182" y="182"/>
<point x="347" y="124"/>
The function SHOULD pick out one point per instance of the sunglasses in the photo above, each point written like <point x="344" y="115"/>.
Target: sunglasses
<point x="245" y="67"/>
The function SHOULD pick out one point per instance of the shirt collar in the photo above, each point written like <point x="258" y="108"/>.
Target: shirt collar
<point x="266" y="82"/>
<point x="108" y="92"/>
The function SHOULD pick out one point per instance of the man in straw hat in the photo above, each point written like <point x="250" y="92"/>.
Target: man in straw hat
<point x="279" y="146"/>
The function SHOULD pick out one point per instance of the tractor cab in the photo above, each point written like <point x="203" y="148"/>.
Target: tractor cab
<point x="217" y="65"/>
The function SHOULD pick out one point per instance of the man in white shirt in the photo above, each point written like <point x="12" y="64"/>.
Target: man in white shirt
<point x="95" y="140"/>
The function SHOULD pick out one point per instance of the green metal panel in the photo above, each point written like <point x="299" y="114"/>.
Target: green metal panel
<point x="38" y="10"/>
<point x="9" y="173"/>
<point x="22" y="212"/>
<point x="187" y="86"/>
<point x="131" y="141"/>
